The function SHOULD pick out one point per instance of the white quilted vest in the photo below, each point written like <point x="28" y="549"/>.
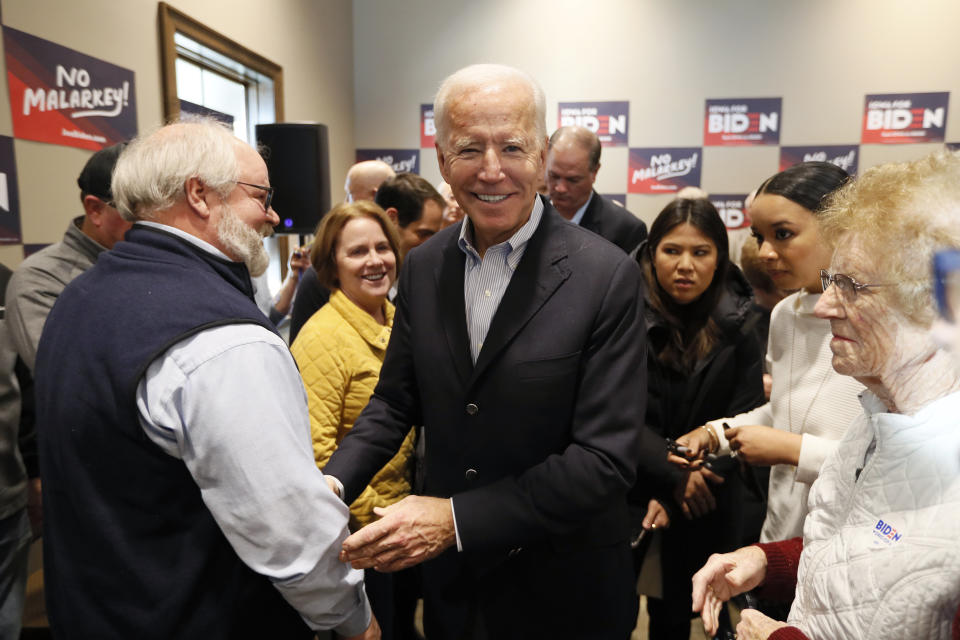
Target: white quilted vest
<point x="881" y="553"/>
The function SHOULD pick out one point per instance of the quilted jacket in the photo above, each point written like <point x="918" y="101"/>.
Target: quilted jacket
<point x="880" y="555"/>
<point x="339" y="352"/>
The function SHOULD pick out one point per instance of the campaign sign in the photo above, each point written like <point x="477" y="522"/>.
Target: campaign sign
<point x="731" y="210"/>
<point x="663" y="170"/>
<point x="897" y="118"/>
<point x="428" y="129"/>
<point x="191" y="108"/>
<point x="844" y="156"/>
<point x="9" y="198"/>
<point x="606" y="119"/>
<point x="62" y="96"/>
<point x="399" y="159"/>
<point x="742" y="121"/>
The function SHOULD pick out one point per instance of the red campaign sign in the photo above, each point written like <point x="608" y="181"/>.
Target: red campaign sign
<point x="400" y="159"/>
<point x="899" y="118"/>
<point x="62" y="96"/>
<point x="842" y="155"/>
<point x="606" y="119"/>
<point x="427" y="128"/>
<point x="742" y="121"/>
<point x="663" y="169"/>
<point x="732" y="210"/>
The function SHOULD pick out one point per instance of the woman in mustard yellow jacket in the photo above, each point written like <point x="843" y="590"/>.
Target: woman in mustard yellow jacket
<point x="340" y="350"/>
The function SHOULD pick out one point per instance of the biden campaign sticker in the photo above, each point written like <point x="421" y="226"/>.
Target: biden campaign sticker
<point x="885" y="533"/>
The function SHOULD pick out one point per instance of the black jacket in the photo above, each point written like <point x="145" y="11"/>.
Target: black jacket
<point x="535" y="442"/>
<point x="728" y="381"/>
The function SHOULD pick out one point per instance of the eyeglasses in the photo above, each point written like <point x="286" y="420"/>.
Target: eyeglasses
<point x="848" y="287"/>
<point x="269" y="190"/>
<point x="946" y="283"/>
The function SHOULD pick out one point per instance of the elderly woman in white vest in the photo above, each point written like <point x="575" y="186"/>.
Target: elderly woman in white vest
<point x="879" y="556"/>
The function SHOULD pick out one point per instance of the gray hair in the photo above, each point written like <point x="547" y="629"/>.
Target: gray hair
<point x="152" y="171"/>
<point x="901" y="213"/>
<point x="479" y="75"/>
<point x="691" y="193"/>
<point x="586" y="139"/>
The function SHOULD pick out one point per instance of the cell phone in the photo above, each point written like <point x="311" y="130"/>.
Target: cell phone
<point x="946" y="283"/>
<point x="676" y="448"/>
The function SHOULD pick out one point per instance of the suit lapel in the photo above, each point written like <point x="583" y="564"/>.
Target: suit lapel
<point x="541" y="271"/>
<point x="449" y="277"/>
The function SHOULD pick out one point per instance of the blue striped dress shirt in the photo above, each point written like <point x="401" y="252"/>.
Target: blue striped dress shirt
<point x="486" y="279"/>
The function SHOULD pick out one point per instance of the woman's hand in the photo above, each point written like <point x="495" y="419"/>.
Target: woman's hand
<point x="724" y="576"/>
<point x="764" y="446"/>
<point x="657" y="517"/>
<point x="699" y="444"/>
<point x="698" y="499"/>
<point x="756" y="626"/>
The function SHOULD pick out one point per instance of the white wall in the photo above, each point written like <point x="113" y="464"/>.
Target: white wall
<point x="311" y="39"/>
<point x="666" y="57"/>
<point x="364" y="67"/>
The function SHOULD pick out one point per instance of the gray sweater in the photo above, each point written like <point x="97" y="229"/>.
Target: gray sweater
<point x="31" y="293"/>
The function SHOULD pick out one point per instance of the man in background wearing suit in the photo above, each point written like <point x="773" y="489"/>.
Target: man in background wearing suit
<point x="573" y="159"/>
<point x="517" y="344"/>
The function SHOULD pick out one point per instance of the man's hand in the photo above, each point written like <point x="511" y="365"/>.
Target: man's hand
<point x="756" y="626"/>
<point x="372" y="631"/>
<point x="724" y="576"/>
<point x="657" y="517"/>
<point x="411" y="531"/>
<point x="764" y="446"/>
<point x="333" y="486"/>
<point x="698" y="499"/>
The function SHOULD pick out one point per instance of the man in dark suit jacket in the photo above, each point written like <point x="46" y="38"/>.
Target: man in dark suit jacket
<point x="518" y="344"/>
<point x="573" y="159"/>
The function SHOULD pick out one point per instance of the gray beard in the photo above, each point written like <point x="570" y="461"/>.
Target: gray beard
<point x="242" y="241"/>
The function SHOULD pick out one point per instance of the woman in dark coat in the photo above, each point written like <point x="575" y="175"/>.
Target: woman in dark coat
<point x="703" y="361"/>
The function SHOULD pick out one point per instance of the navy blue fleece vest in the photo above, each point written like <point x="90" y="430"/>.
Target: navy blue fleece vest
<point x="130" y="550"/>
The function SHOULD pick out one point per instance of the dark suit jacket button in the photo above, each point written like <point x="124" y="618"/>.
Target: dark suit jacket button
<point x="472" y="409"/>
<point x="470" y="475"/>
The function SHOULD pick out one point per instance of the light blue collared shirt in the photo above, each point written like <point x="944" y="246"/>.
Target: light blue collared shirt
<point x="485" y="279"/>
<point x="578" y="216"/>
<point x="249" y="449"/>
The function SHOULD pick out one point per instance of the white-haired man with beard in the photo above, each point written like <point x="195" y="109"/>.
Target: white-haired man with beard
<point x="174" y="414"/>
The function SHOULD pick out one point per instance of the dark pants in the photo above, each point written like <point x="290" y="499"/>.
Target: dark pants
<point x="538" y="593"/>
<point x="684" y="549"/>
<point x="14" y="547"/>
<point x="393" y="599"/>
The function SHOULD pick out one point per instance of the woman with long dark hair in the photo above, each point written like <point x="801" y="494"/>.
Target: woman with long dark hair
<point x="702" y="361"/>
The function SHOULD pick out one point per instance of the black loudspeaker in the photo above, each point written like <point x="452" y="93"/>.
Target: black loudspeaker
<point x="297" y="157"/>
